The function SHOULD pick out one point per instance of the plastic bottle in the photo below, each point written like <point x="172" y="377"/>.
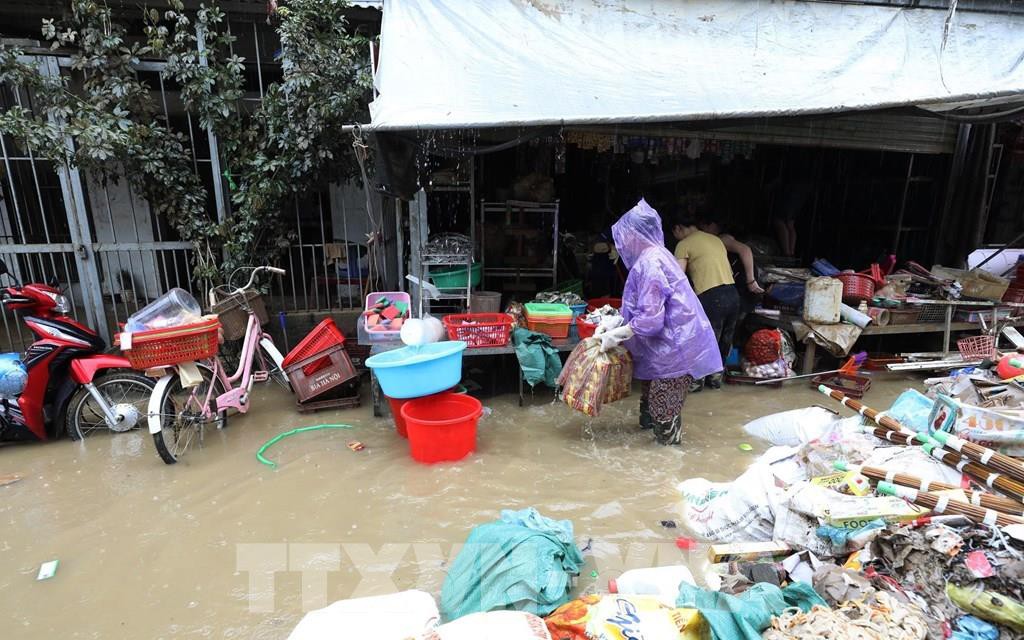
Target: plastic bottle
<point x="175" y="307"/>
<point x="655" y="581"/>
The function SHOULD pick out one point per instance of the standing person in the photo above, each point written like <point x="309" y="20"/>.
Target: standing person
<point x="704" y="258"/>
<point x="664" y="329"/>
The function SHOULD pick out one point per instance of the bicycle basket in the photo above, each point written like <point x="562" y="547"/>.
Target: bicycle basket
<point x="234" y="315"/>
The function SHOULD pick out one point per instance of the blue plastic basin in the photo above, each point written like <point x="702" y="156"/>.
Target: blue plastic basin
<point x="414" y="372"/>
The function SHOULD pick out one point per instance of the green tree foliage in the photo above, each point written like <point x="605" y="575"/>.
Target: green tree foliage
<point x="290" y="143"/>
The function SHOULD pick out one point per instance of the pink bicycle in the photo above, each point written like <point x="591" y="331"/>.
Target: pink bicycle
<point x="192" y="395"/>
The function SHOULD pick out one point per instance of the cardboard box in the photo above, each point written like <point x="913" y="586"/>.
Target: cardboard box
<point x="747" y="551"/>
<point x="850" y="514"/>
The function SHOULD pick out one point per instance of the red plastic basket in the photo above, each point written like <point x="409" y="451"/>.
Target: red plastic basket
<point x="976" y="347"/>
<point x="321" y="338"/>
<point x="441" y="427"/>
<point x="597" y="303"/>
<point x="585" y="329"/>
<point x="856" y="286"/>
<point x="480" y="329"/>
<point x="162" y="347"/>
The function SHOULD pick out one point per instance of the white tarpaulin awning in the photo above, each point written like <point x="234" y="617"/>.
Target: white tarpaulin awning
<point x="480" y="63"/>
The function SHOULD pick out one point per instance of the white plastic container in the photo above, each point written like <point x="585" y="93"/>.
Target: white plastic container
<point x="822" y="298"/>
<point x="396" y="616"/>
<point x="662" y="582"/>
<point x="176" y="307"/>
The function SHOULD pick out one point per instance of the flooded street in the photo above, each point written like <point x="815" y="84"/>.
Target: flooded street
<point x="223" y="546"/>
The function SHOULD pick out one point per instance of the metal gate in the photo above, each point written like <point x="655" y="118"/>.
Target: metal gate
<point x="112" y="255"/>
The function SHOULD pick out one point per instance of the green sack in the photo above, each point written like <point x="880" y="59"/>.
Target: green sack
<point x="745" y="616"/>
<point x="538" y="360"/>
<point x="522" y="562"/>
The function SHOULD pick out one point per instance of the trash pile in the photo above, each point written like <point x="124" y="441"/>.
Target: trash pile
<point x="882" y="520"/>
<point x="854" y="527"/>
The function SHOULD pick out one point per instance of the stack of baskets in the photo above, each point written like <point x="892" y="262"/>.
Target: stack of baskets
<point x="321" y="372"/>
<point x="551" y="319"/>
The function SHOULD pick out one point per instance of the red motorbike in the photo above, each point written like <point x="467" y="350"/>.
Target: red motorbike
<point x="70" y="385"/>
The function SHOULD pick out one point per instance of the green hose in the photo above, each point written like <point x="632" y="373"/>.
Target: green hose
<point x="282" y="436"/>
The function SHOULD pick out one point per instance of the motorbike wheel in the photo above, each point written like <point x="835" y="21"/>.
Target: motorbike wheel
<point x="175" y="414"/>
<point x="127" y="392"/>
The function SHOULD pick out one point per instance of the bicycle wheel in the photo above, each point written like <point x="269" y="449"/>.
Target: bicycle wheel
<point x="272" y="360"/>
<point x="176" y="413"/>
<point x="126" y="392"/>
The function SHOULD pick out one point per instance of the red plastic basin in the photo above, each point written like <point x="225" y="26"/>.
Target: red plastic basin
<point x="442" y="427"/>
<point x="397" y="404"/>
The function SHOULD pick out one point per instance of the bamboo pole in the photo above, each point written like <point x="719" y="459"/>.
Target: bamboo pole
<point x="893" y="431"/>
<point x="977" y="498"/>
<point x="878" y="417"/>
<point x="944" y="504"/>
<point x="1001" y="463"/>
<point x="978" y="472"/>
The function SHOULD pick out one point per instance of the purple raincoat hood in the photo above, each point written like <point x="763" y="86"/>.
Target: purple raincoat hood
<point x="636" y="231"/>
<point x="672" y="336"/>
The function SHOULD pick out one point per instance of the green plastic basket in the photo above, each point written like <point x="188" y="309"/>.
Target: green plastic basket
<point x="456" y="278"/>
<point x="545" y="310"/>
<point x="569" y="286"/>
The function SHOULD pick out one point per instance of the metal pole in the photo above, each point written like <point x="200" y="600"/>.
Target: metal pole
<point x="218" y="185"/>
<point x="78" y="225"/>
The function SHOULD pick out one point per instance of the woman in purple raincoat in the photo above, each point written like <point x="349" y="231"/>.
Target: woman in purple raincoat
<point x="672" y="341"/>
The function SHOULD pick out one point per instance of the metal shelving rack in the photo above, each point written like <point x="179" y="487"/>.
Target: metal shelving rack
<point x="524" y="210"/>
<point x="428" y="259"/>
<point x="425" y="259"/>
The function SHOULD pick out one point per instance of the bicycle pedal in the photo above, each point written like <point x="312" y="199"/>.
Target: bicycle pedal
<point x="260" y="376"/>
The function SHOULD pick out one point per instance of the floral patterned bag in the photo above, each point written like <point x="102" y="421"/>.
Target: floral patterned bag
<point x="591" y="378"/>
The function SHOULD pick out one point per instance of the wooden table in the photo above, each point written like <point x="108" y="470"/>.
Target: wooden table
<point x="946" y="328"/>
<point x="562" y="345"/>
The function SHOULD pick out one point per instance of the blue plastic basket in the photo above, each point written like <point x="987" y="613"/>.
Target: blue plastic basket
<point x="578" y="310"/>
<point x="414" y="372"/>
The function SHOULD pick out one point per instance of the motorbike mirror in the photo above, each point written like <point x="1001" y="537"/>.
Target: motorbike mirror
<point x="54" y="282"/>
<point x="3" y="267"/>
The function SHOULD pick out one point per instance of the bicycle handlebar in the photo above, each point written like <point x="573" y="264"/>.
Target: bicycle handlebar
<point x="226" y="288"/>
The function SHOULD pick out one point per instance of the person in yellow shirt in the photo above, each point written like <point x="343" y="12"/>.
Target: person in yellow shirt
<point x="705" y="260"/>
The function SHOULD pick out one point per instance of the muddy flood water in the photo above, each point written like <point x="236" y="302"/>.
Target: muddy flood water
<point x="220" y="545"/>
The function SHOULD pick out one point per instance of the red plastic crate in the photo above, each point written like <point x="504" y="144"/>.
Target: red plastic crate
<point x="321" y="338"/>
<point x="480" y="329"/>
<point x="184" y="343"/>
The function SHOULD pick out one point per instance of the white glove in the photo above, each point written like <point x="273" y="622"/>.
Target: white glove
<point x="614" y="337"/>
<point x="608" y="323"/>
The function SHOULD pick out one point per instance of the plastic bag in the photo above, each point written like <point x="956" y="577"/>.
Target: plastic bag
<point x="591" y="378"/>
<point x="741" y="510"/>
<point x="912" y="409"/>
<point x="616" y="617"/>
<point x="987" y="427"/>
<point x="493" y="625"/>
<point x="396" y="616"/>
<point x="792" y="428"/>
<point x="13" y="375"/>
